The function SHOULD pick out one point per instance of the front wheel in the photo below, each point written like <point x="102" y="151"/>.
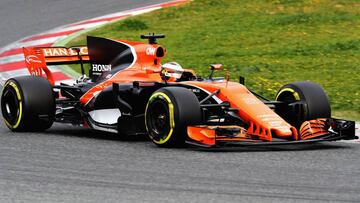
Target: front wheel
<point x="306" y="101"/>
<point x="168" y="113"/>
<point x="28" y="104"/>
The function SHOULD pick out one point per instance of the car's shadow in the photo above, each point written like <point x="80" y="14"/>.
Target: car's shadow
<point x="299" y="147"/>
<point x="94" y="134"/>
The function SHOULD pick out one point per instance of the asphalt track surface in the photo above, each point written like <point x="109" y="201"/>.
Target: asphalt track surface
<point x="21" y="18"/>
<point x="68" y="164"/>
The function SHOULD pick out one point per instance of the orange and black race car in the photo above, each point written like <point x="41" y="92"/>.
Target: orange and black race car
<point x="129" y="91"/>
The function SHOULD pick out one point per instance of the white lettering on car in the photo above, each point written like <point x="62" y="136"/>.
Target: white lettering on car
<point x="36" y="72"/>
<point x="32" y="59"/>
<point x="48" y="52"/>
<point x="101" y="68"/>
<point x="150" y="51"/>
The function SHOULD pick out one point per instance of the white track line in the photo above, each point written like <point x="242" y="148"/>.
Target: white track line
<point x="144" y="11"/>
<point x="82" y="26"/>
<point x="11" y="58"/>
<point x="24" y="71"/>
<point x="20" y="44"/>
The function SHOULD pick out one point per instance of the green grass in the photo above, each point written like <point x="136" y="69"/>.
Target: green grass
<point x="270" y="42"/>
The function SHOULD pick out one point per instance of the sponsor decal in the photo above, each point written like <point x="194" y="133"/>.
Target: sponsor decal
<point x="98" y="68"/>
<point x="150" y="51"/>
<point x="36" y="72"/>
<point x="195" y="90"/>
<point x="32" y="59"/>
<point x="56" y="51"/>
<point x="275" y="123"/>
<point x="250" y="100"/>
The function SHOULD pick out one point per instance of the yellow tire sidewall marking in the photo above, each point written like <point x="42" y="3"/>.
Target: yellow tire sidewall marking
<point x="18" y="95"/>
<point x="165" y="97"/>
<point x="295" y="94"/>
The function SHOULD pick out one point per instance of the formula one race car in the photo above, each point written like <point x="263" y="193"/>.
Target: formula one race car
<point x="128" y="91"/>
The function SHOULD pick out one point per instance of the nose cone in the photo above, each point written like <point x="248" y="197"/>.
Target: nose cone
<point x="278" y="126"/>
<point x="282" y="132"/>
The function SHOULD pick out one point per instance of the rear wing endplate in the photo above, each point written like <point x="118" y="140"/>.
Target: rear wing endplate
<point x="37" y="58"/>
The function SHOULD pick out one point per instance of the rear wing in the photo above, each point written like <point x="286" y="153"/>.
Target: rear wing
<point x="37" y="58"/>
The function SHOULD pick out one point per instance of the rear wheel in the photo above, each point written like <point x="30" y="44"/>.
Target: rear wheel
<point x="168" y="113"/>
<point x="28" y="104"/>
<point x="306" y="100"/>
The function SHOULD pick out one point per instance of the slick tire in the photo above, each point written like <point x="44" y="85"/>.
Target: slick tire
<point x="28" y="104"/>
<point x="306" y="100"/>
<point x="168" y="113"/>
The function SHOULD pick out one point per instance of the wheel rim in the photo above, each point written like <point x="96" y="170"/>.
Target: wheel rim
<point x="288" y="95"/>
<point x="10" y="106"/>
<point x="158" y="120"/>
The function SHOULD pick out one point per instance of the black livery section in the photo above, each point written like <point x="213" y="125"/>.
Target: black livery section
<point x="108" y="57"/>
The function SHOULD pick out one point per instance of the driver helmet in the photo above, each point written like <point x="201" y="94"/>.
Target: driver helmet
<point x="172" y="70"/>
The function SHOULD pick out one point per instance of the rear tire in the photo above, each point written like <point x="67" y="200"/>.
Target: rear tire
<point x="313" y="101"/>
<point x="168" y="113"/>
<point x="28" y="104"/>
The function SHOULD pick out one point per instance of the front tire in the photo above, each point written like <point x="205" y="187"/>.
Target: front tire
<point x="168" y="113"/>
<point x="306" y="101"/>
<point x="28" y="104"/>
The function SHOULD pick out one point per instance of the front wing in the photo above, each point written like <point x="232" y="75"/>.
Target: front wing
<point x="318" y="130"/>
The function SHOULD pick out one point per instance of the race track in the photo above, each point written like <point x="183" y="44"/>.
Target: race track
<point x="21" y="18"/>
<point x="75" y="165"/>
<point x="68" y="164"/>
